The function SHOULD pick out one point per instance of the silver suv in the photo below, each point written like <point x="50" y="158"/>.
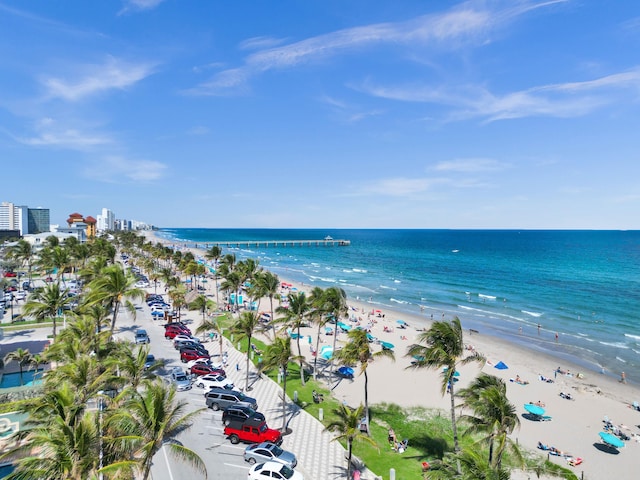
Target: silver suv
<point x="142" y="337"/>
<point x="180" y="380"/>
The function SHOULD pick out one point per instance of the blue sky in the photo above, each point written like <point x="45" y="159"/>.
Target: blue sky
<point x="327" y="114"/>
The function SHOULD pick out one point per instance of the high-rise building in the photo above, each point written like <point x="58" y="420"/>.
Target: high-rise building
<point x="106" y="220"/>
<point x="39" y="220"/>
<point x="14" y="217"/>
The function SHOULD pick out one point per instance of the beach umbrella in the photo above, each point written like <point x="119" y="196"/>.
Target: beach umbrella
<point x="387" y="345"/>
<point x="401" y="322"/>
<point x="534" y="409"/>
<point x="371" y="338"/>
<point x="501" y="365"/>
<point x="611" y="439"/>
<point x="346" y="371"/>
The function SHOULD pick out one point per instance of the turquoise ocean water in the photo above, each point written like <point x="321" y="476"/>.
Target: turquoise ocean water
<point x="585" y="285"/>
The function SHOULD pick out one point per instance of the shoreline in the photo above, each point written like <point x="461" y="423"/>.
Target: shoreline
<point x="575" y="424"/>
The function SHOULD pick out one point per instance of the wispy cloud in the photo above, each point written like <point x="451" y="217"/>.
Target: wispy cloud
<point x="397" y="187"/>
<point x="139" y="5"/>
<point x="119" y="169"/>
<point x="258" y="43"/>
<point x="92" y="79"/>
<point x="50" y="134"/>
<point x="199" y="130"/>
<point x="571" y="99"/>
<point x="470" y="165"/>
<point x="469" y="22"/>
<point x="46" y="23"/>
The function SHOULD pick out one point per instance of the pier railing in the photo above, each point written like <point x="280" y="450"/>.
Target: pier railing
<point x="271" y="243"/>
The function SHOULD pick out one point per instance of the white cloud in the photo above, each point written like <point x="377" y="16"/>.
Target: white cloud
<point x="112" y="74"/>
<point x="564" y="100"/>
<point x="257" y="43"/>
<point x="118" y="169"/>
<point x="468" y="22"/>
<point x="199" y="130"/>
<point x="397" y="187"/>
<point x="139" y="5"/>
<point x="469" y="165"/>
<point x="65" y="138"/>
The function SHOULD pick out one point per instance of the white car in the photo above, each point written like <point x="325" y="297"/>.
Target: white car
<point x="184" y="338"/>
<point x="142" y="284"/>
<point x="213" y="381"/>
<point x="273" y="470"/>
<point x="21" y="295"/>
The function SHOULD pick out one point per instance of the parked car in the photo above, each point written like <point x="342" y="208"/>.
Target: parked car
<point x="171" y="332"/>
<point x="184" y="338"/>
<point x="251" y="431"/>
<point x="240" y="412"/>
<point x="197" y="348"/>
<point x="210" y="381"/>
<point x="21" y="295"/>
<point x="181" y="381"/>
<point x="273" y="470"/>
<point x="10" y="274"/>
<point x="187" y="355"/>
<point x="203" y="361"/>
<point x="204" y="369"/>
<point x="149" y="362"/>
<point x="179" y="344"/>
<point x="269" y="452"/>
<point x="220" y="398"/>
<point x="142" y="337"/>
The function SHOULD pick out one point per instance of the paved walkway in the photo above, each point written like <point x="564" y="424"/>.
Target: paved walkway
<point x="319" y="458"/>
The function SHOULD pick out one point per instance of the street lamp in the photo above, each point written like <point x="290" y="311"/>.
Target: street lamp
<point x="101" y="455"/>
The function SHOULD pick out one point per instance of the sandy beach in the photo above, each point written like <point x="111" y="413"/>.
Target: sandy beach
<point x="575" y="423"/>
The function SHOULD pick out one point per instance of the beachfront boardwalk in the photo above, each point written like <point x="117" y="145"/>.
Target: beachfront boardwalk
<point x="319" y="458"/>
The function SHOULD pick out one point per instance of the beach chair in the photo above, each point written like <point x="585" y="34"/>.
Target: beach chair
<point x="636" y="406"/>
<point x="545" y="418"/>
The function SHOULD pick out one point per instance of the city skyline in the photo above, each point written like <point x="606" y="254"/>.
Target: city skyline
<point x="476" y="114"/>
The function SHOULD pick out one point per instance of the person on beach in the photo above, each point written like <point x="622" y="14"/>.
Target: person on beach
<point x="392" y="437"/>
<point x="623" y="378"/>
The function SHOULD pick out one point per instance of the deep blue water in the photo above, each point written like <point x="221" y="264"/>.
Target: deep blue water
<point x="585" y="285"/>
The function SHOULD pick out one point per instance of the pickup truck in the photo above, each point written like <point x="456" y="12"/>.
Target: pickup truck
<point x="251" y="430"/>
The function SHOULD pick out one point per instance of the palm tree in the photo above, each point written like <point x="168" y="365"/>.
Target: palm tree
<point x="214" y="325"/>
<point x="22" y="356"/>
<point x="358" y="350"/>
<point x="214" y="254"/>
<point x="335" y="306"/>
<point x="468" y="464"/>
<point x="278" y="355"/>
<point x="48" y="302"/>
<point x="319" y="316"/>
<point x="61" y="443"/>
<point x="200" y="303"/>
<point x="347" y="425"/>
<point x="267" y="284"/>
<point x="442" y="346"/>
<point x="232" y="283"/>
<point x="23" y="251"/>
<point x="153" y="418"/>
<point x="244" y="328"/>
<point x="294" y="317"/>
<point x="113" y="287"/>
<point x="486" y="396"/>
<point x="129" y="360"/>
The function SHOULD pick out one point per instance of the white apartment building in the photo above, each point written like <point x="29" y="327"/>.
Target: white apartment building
<point x="14" y="217"/>
<point x="106" y="220"/>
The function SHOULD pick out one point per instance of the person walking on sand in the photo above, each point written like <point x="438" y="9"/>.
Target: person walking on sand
<point x="623" y="378"/>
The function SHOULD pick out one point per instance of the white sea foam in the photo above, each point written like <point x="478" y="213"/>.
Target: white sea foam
<point x="387" y="288"/>
<point x="635" y="337"/>
<point x="533" y="314"/>
<point x="615" y="344"/>
<point x="621" y="360"/>
<point x="487" y="297"/>
<point x="359" y="270"/>
<point x="398" y="301"/>
<point x="397" y="281"/>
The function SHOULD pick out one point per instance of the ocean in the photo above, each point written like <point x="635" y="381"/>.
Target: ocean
<point x="582" y="285"/>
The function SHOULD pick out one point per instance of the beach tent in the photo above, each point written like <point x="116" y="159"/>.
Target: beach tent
<point x="326" y="352"/>
<point x="500" y="366"/>
<point x="346" y="372"/>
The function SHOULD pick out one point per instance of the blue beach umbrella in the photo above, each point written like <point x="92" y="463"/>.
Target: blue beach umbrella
<point x="371" y="338"/>
<point x="401" y="322"/>
<point x="611" y="439"/>
<point x="346" y="371"/>
<point x="387" y="345"/>
<point x="534" y="409"/>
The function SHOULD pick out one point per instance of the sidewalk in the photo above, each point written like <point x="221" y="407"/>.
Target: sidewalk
<point x="319" y="458"/>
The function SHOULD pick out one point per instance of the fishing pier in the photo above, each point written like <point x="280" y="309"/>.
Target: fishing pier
<point x="325" y="242"/>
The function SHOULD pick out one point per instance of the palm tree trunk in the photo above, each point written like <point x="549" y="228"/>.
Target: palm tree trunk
<point x="300" y="356"/>
<point x="333" y="350"/>
<point x="366" y="399"/>
<point x="21" y="381"/>
<point x="349" y="455"/>
<point x="315" y="358"/>
<point x="246" y="387"/>
<point x="116" y="307"/>
<point x="284" y="400"/>
<point x="454" y="427"/>
<point x="54" y="327"/>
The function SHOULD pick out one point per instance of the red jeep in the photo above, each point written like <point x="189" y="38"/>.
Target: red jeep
<point x="251" y="430"/>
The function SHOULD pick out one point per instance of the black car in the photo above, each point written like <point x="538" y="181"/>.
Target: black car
<point x="199" y="349"/>
<point x="240" y="413"/>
